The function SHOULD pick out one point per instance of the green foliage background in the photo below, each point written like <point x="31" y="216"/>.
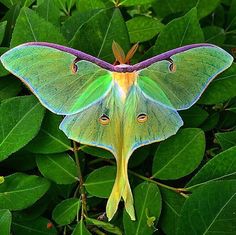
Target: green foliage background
<point x="182" y="186"/>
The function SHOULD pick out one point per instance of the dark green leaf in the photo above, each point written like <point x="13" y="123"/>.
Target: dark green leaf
<point x="99" y="183"/>
<point x="147" y="203"/>
<point x="210" y="210"/>
<point x="66" y="211"/>
<point x="27" y="29"/>
<point x="194" y="116"/>
<point x="222" y="88"/>
<point x="3" y="71"/>
<point x="214" y="34"/>
<point x="60" y="168"/>
<point x="106" y="226"/>
<point x="106" y="26"/>
<point x="20" y="120"/>
<point x="81" y="229"/>
<point x="179" y="32"/>
<point x="5" y="222"/>
<point x="50" y="138"/>
<point x="134" y="2"/>
<point x="227" y="139"/>
<point x="142" y="28"/>
<point x="97" y="152"/>
<point x="20" y="191"/>
<point x="2" y="30"/>
<point x="39" y="226"/>
<point x="172" y="203"/>
<point x="88" y="5"/>
<point x="222" y="166"/>
<point x="9" y="87"/>
<point x="179" y="155"/>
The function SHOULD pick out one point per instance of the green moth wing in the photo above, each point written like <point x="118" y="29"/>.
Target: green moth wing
<point x="62" y="84"/>
<point x="184" y="76"/>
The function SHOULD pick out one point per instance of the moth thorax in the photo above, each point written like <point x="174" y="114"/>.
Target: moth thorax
<point x="124" y="81"/>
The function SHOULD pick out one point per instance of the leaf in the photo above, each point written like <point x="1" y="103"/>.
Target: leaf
<point x="99" y="183"/>
<point x="143" y="28"/>
<point x="27" y="30"/>
<point x="38" y="226"/>
<point x="20" y="191"/>
<point x="2" y="30"/>
<point x="172" y="203"/>
<point x="210" y="210"/>
<point x="50" y="138"/>
<point x="9" y="87"/>
<point x="106" y="26"/>
<point x="5" y="222"/>
<point x="214" y="34"/>
<point x="134" y="2"/>
<point x="179" y="155"/>
<point x="88" y="5"/>
<point x="3" y="71"/>
<point x="49" y="11"/>
<point x="222" y="88"/>
<point x="194" y="116"/>
<point x="1" y="179"/>
<point x="227" y="139"/>
<point x="97" y="152"/>
<point x="204" y="7"/>
<point x="65" y="212"/>
<point x="60" y="168"/>
<point x="221" y="167"/>
<point x="179" y="32"/>
<point x="106" y="226"/>
<point x="81" y="229"/>
<point x="147" y="203"/>
<point x="20" y="120"/>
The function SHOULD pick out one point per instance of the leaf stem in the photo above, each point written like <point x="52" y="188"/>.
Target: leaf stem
<point x="81" y="182"/>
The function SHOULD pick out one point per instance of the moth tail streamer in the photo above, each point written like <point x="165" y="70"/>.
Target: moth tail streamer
<point x="121" y="189"/>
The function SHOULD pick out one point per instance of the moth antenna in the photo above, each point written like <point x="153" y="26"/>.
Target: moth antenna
<point x="131" y="53"/>
<point x="118" y="52"/>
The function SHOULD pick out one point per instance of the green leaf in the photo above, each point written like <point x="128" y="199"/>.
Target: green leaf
<point x="88" y="5"/>
<point x="5" y="222"/>
<point x="147" y="204"/>
<point x="134" y="2"/>
<point x="50" y="138"/>
<point x="20" y="120"/>
<point x="49" y="11"/>
<point x="60" y="168"/>
<point x="172" y="203"/>
<point x="38" y="226"/>
<point x="194" y="116"/>
<point x="179" y="32"/>
<point x="106" y="26"/>
<point x="2" y="179"/>
<point x="3" y="71"/>
<point x="222" y="88"/>
<point x="20" y="191"/>
<point x="211" y="121"/>
<point x="222" y="166"/>
<point x="210" y="210"/>
<point x="227" y="139"/>
<point x="65" y="212"/>
<point x="179" y="155"/>
<point x="2" y="30"/>
<point x="106" y="226"/>
<point x="143" y="28"/>
<point x="204" y="7"/>
<point x="27" y="29"/>
<point x="214" y="34"/>
<point x="81" y="229"/>
<point x="9" y="87"/>
<point x="97" y="152"/>
<point x="139" y="156"/>
<point x="99" y="183"/>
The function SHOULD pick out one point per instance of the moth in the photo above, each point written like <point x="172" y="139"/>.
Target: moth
<point x="117" y="107"/>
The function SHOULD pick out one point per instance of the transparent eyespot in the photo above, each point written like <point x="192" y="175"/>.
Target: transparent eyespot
<point x="104" y="119"/>
<point x="142" y="117"/>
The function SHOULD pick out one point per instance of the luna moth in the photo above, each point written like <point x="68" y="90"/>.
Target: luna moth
<point x="117" y="107"/>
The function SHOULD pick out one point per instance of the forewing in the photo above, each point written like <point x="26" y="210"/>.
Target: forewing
<point x="161" y="121"/>
<point x="185" y="76"/>
<point x="62" y="84"/>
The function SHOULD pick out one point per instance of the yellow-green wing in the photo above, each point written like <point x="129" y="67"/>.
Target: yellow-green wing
<point x="185" y="75"/>
<point x="62" y="84"/>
